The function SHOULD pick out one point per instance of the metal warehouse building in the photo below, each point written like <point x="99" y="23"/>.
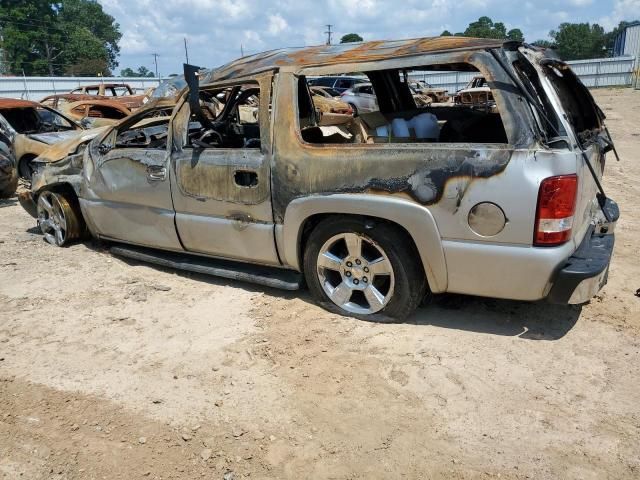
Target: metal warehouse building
<point x="628" y="43"/>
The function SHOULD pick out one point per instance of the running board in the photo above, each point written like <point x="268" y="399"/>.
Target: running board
<point x="245" y="272"/>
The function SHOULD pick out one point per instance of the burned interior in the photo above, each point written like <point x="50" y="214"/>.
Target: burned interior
<point x="227" y="118"/>
<point x="36" y="120"/>
<point x="401" y="118"/>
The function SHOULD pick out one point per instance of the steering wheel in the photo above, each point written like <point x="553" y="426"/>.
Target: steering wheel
<point x="201" y="141"/>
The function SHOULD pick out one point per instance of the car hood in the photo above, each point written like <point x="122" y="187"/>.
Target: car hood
<point x="70" y="144"/>
<point x="55" y="137"/>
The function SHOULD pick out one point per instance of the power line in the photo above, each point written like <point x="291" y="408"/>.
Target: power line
<point x="30" y="20"/>
<point x="45" y="27"/>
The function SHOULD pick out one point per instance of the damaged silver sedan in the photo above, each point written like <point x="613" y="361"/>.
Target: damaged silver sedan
<point x="373" y="212"/>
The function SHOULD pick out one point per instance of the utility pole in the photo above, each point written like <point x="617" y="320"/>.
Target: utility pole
<point x="155" y="59"/>
<point x="329" y="33"/>
<point x="186" y="51"/>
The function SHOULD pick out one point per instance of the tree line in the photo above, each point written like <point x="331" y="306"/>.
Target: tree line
<point x="67" y="37"/>
<point x="572" y="41"/>
<point x="76" y="37"/>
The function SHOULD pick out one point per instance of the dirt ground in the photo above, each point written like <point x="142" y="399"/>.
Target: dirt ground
<point x="117" y="370"/>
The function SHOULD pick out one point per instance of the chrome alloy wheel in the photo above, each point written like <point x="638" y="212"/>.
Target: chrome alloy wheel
<point x="355" y="273"/>
<point x="52" y="219"/>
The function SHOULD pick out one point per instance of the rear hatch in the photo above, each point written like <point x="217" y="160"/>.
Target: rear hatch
<point x="586" y="120"/>
<point x="570" y="123"/>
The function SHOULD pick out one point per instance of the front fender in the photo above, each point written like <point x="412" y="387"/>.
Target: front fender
<point x="414" y="218"/>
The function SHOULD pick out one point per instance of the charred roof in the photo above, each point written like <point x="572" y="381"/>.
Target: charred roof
<point x="16" y="103"/>
<point x="347" y="53"/>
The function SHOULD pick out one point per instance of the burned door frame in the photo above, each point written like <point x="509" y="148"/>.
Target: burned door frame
<point x="127" y="193"/>
<point x="215" y="215"/>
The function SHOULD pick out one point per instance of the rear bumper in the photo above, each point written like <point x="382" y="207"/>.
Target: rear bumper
<point x="585" y="272"/>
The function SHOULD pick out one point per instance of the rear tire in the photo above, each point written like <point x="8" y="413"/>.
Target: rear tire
<point x="59" y="218"/>
<point x="364" y="268"/>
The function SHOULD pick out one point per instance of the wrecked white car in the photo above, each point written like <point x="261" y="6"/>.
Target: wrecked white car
<point x="372" y="214"/>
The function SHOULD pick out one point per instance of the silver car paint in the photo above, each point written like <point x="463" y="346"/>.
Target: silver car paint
<point x="236" y="226"/>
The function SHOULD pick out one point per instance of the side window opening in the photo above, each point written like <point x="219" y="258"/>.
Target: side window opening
<point x="233" y="115"/>
<point x="386" y="108"/>
<point x="102" y="111"/>
<point x="36" y="120"/>
<point x="149" y="131"/>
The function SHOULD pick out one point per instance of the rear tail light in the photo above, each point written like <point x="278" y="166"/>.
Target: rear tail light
<point x="556" y="206"/>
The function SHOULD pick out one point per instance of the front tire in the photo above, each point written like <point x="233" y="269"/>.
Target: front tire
<point x="364" y="268"/>
<point x="8" y="177"/>
<point x="59" y="218"/>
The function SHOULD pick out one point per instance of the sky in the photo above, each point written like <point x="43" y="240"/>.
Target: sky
<point x="217" y="30"/>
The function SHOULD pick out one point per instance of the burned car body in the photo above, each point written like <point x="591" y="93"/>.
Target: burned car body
<point x="437" y="95"/>
<point x="119" y="92"/>
<point x="95" y="113"/>
<point x="376" y="212"/>
<point x="477" y="92"/>
<point x="31" y="128"/>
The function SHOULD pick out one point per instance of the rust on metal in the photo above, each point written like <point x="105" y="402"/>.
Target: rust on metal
<point x="346" y="53"/>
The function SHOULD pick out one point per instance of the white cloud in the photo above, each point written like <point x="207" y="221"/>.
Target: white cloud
<point x="215" y="29"/>
<point x="622" y="10"/>
<point x="276" y="24"/>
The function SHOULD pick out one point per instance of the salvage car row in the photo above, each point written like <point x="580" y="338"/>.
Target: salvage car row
<point x="28" y="128"/>
<point x="253" y="171"/>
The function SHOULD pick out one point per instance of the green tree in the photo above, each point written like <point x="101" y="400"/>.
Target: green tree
<point x="145" y="72"/>
<point x="42" y="37"/>
<point x="516" y="35"/>
<point x="544" y="44"/>
<point x="141" y="72"/>
<point x="485" y="28"/>
<point x="578" y="41"/>
<point x="446" y="33"/>
<point x="31" y="38"/>
<point x="351" y="37"/>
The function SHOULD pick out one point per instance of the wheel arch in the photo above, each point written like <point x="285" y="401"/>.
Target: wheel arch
<point x="303" y="214"/>
<point x="27" y="157"/>
<point x="66" y="188"/>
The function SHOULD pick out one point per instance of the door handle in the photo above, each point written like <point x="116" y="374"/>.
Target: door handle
<point x="156" y="173"/>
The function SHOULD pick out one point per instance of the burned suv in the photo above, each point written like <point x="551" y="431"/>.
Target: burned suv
<point x="373" y="213"/>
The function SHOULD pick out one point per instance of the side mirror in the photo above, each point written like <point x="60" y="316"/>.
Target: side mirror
<point x="104" y="148"/>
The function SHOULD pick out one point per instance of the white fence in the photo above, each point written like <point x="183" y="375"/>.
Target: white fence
<point x="36" y="88"/>
<point x="604" y="72"/>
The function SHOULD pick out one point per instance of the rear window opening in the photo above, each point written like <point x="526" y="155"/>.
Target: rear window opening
<point x="385" y="106"/>
<point x="577" y="102"/>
